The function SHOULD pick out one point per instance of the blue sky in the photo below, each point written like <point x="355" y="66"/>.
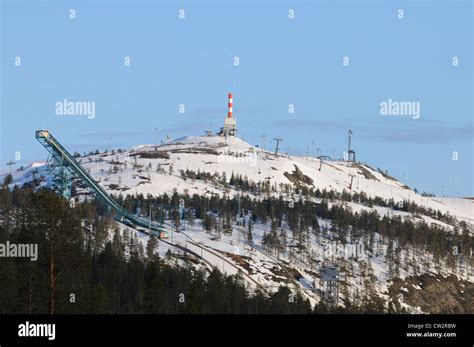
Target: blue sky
<point x="282" y="62"/>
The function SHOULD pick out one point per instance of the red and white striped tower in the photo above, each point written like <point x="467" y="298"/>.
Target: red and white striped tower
<point x="230" y="123"/>
<point x="229" y="105"/>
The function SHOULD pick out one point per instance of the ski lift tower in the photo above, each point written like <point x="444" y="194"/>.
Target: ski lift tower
<point x="278" y="140"/>
<point x="10" y="163"/>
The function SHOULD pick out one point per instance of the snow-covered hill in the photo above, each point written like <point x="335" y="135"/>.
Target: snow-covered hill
<point x="146" y="169"/>
<point x="174" y="165"/>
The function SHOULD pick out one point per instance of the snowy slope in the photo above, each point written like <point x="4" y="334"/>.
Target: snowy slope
<point x="232" y="155"/>
<point x="156" y="169"/>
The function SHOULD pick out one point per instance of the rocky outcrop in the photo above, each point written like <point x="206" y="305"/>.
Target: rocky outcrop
<point x="298" y="178"/>
<point x="434" y="293"/>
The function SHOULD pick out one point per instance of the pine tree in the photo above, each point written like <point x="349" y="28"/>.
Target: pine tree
<point x="151" y="248"/>
<point x="250" y="232"/>
<point x="8" y="179"/>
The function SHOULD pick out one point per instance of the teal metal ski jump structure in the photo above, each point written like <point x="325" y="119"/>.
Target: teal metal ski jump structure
<point x="65" y="160"/>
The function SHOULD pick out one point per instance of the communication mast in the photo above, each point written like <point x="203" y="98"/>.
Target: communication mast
<point x="350" y="153"/>
<point x="230" y="123"/>
<point x="209" y="132"/>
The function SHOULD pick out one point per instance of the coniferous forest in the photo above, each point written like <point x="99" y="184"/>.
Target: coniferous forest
<point x="79" y="271"/>
<point x="86" y="265"/>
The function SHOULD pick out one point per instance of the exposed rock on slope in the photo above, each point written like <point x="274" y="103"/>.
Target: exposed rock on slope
<point x="435" y="294"/>
<point x="298" y="178"/>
